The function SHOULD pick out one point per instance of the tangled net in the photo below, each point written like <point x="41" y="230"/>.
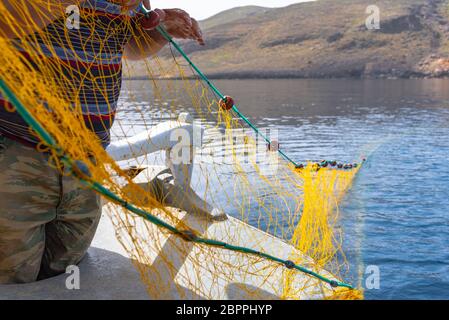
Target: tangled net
<point x="293" y="249"/>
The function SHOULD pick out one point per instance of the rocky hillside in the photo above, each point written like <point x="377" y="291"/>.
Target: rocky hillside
<point x="324" y="39"/>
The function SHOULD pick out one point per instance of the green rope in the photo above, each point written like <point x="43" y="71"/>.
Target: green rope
<point x="80" y="171"/>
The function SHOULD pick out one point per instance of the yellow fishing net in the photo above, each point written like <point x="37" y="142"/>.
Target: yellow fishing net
<point x="284" y="239"/>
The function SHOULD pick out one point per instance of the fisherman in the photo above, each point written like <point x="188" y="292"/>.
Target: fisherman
<point x="47" y="220"/>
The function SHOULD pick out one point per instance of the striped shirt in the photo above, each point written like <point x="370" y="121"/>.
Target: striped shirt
<point x="88" y="61"/>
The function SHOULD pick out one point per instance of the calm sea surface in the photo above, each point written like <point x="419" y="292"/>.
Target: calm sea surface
<point x="397" y="215"/>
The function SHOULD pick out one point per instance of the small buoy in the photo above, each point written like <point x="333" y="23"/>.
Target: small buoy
<point x="227" y="103"/>
<point x="299" y="167"/>
<point x="289" y="264"/>
<point x="324" y="163"/>
<point x="340" y="166"/>
<point x="150" y="20"/>
<point x="273" y="146"/>
<point x="333" y="163"/>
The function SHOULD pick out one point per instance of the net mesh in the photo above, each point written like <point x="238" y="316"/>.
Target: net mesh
<point x="284" y="211"/>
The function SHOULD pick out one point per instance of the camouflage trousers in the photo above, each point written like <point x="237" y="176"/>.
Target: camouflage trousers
<point x="47" y="220"/>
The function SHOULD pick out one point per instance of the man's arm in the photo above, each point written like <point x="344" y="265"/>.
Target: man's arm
<point x="16" y="15"/>
<point x="178" y="24"/>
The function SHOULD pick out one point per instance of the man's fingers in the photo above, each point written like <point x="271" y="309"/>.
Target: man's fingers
<point x="181" y="25"/>
<point x="179" y="33"/>
<point x="161" y="13"/>
<point x="186" y="17"/>
<point x="179" y="14"/>
<point x="197" y="32"/>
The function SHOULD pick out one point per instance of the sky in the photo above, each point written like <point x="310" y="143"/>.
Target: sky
<point x="202" y="9"/>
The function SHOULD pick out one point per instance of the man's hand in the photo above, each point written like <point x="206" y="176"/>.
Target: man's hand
<point x="179" y="24"/>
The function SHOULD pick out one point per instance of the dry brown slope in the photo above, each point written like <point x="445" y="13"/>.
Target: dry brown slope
<point x="326" y="38"/>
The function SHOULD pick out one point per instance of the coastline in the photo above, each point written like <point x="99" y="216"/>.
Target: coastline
<point x="249" y="76"/>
